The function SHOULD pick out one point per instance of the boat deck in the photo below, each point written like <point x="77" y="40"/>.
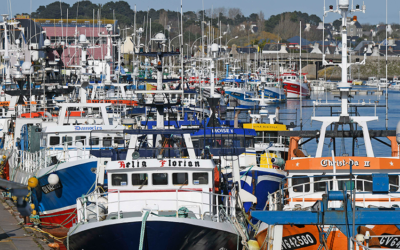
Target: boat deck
<point x="14" y="236"/>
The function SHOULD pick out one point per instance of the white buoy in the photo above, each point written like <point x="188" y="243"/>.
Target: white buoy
<point x="53" y="179"/>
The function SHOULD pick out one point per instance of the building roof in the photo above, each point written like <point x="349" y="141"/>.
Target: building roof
<point x="71" y="31"/>
<point x="71" y="56"/>
<point x="358" y="25"/>
<point x="296" y="39"/>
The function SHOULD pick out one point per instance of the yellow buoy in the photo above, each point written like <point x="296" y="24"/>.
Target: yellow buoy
<point x="32" y="206"/>
<point x="33" y="182"/>
<point x="4" y="157"/>
<point x="33" y="212"/>
<point x="253" y="245"/>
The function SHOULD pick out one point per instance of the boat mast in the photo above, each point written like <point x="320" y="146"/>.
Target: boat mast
<point x="344" y="87"/>
<point x="6" y="57"/>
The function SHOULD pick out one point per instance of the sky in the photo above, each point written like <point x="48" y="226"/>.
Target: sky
<point x="375" y="12"/>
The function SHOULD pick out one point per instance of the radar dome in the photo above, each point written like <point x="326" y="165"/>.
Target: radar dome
<point x="47" y="42"/>
<point x="27" y="68"/>
<point x="214" y="47"/>
<point x="82" y="38"/>
<point x="160" y="37"/>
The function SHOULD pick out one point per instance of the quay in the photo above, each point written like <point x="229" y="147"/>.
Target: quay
<point x="13" y="234"/>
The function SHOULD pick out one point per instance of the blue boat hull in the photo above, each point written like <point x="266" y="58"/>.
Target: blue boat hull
<point x="76" y="179"/>
<point x="160" y="234"/>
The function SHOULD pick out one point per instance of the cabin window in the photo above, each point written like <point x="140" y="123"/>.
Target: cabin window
<point x="67" y="139"/>
<point x="180" y="179"/>
<point x="259" y="136"/>
<point x="320" y="183"/>
<point x="139" y="180"/>
<point x="364" y="183"/>
<point x="249" y="143"/>
<point x="118" y="140"/>
<point x="294" y="86"/>
<point x="81" y="139"/>
<point x="298" y="180"/>
<point x="344" y="180"/>
<point x="107" y="141"/>
<point x="119" y="179"/>
<point x="54" y="140"/>
<point x="196" y="144"/>
<point x="200" y="178"/>
<point x="271" y="137"/>
<point x="209" y="142"/>
<point x="94" y="141"/>
<point x="160" y="179"/>
<point x="393" y="183"/>
<point x="237" y="143"/>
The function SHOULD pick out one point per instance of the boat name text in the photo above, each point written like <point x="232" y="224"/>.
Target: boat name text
<point x="342" y="163"/>
<point x="163" y="163"/>
<point x="88" y="128"/>
<point x="298" y="241"/>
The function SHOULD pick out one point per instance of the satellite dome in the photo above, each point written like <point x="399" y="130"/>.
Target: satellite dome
<point x="214" y="47"/>
<point x="160" y="37"/>
<point x="27" y="68"/>
<point x="47" y="42"/>
<point x="82" y="38"/>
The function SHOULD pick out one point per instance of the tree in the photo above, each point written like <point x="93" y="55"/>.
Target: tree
<point x="233" y="12"/>
<point x="337" y="24"/>
<point x="293" y="17"/>
<point x="260" y="21"/>
<point x="286" y="27"/>
<point x="253" y="17"/>
<point x="163" y="18"/>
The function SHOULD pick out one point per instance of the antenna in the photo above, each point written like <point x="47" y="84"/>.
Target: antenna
<point x="301" y="88"/>
<point x="387" y="80"/>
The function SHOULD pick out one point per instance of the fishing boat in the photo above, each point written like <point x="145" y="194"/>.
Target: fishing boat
<point x="372" y="82"/>
<point x="293" y="87"/>
<point x="357" y="82"/>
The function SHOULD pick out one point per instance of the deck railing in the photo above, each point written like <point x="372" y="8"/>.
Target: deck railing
<point x="223" y="210"/>
<point x="288" y="194"/>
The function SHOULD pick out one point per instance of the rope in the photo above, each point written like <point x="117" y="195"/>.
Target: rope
<point x="246" y="172"/>
<point x="142" y="230"/>
<point x="52" y="236"/>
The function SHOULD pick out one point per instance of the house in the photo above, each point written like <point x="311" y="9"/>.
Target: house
<point x="253" y="28"/>
<point x="354" y="28"/>
<point x="62" y="31"/>
<point x="364" y="47"/>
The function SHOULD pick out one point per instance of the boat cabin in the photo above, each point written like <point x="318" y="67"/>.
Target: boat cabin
<point x="307" y="183"/>
<point x="162" y="185"/>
